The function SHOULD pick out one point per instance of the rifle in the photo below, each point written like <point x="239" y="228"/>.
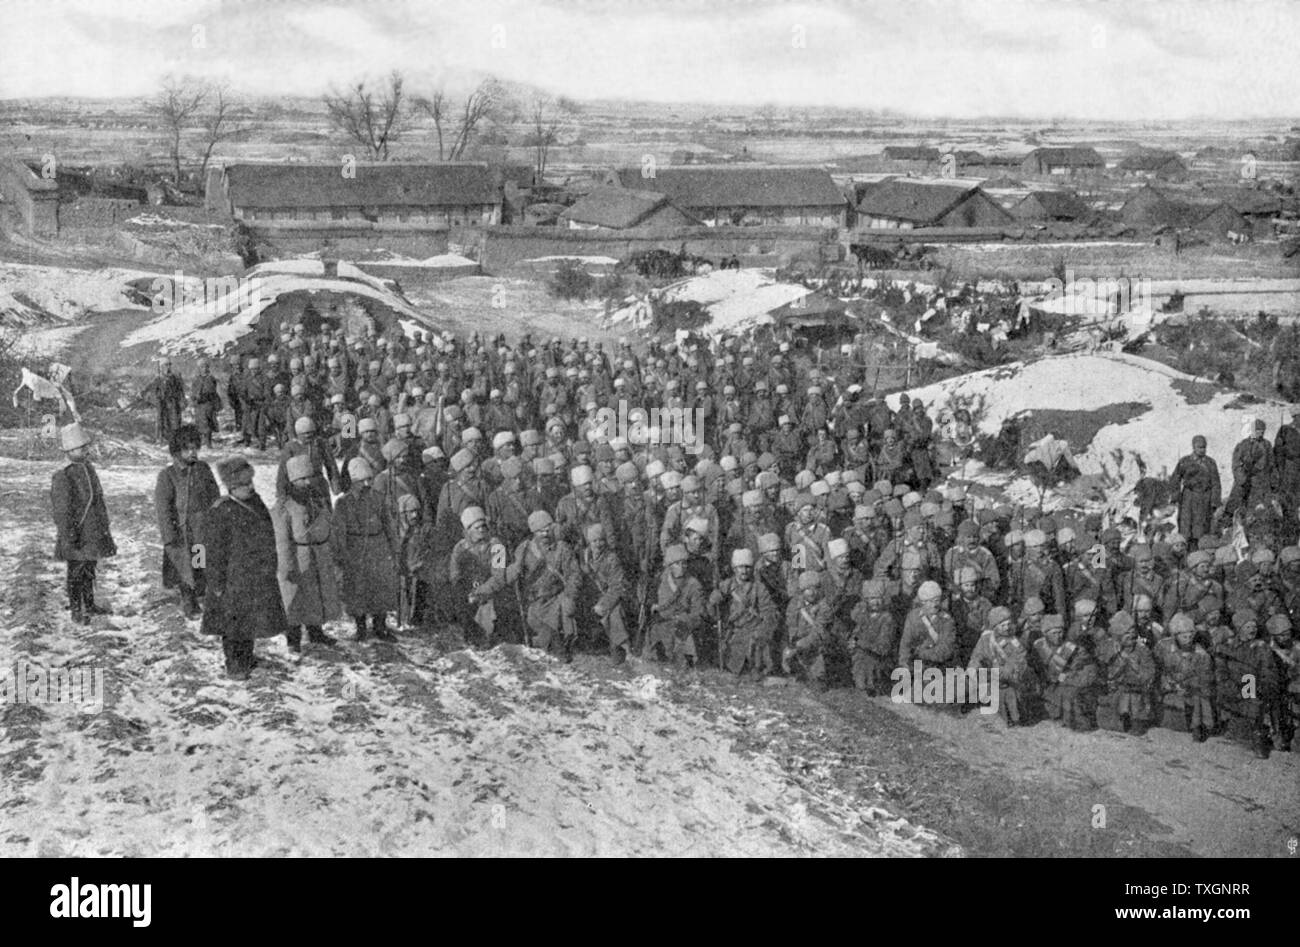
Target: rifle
<point x="523" y="614"/>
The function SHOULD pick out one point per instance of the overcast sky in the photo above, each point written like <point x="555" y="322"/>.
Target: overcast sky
<point x="1044" y="58"/>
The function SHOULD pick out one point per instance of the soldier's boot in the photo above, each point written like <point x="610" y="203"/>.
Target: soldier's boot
<point x="566" y="649"/>
<point x="618" y="654"/>
<point x="1126" y="722"/>
<point x="90" y="606"/>
<point x="379" y="622"/>
<point x="362" y="631"/>
<point x="316" y="635"/>
<point x="238" y="658"/>
<point x="1263" y="746"/>
<point x="190" y="604"/>
<point x="293" y="636"/>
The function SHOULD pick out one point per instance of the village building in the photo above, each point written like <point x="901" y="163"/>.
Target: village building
<point x="382" y="194"/>
<point x="32" y="199"/>
<point x="1068" y="162"/>
<point x="1150" y="207"/>
<point x="1153" y="165"/>
<point x="906" y="203"/>
<point x="915" y="158"/>
<point x="744" y="196"/>
<point x="1051" y="206"/>
<point x="619" y="208"/>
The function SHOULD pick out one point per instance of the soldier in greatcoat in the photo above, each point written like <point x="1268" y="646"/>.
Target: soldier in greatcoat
<point x="606" y="590"/>
<point x="365" y="542"/>
<point x="1195" y="481"/>
<point x="243" y="601"/>
<point x="183" y="495"/>
<point x="477" y="570"/>
<point x="303" y="524"/>
<point x="549" y="577"/>
<point x="82" y="535"/>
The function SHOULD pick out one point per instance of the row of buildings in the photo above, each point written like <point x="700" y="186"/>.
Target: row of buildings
<point x="419" y="199"/>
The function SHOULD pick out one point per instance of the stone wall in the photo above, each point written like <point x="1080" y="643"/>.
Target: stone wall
<point x="504" y="247"/>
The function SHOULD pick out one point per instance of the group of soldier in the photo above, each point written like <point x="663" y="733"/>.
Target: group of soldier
<point x="799" y="526"/>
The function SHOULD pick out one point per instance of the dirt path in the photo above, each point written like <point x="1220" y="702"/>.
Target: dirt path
<point x="1215" y="797"/>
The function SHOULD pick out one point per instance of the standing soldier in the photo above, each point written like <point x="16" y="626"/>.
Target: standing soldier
<point x="1286" y="458"/>
<point x="508" y="506"/>
<point x="581" y="508"/>
<point x="365" y="541"/>
<point x="549" y="574"/>
<point x="81" y="523"/>
<point x="1281" y="696"/>
<point x="243" y="601"/>
<point x="1195" y="480"/>
<point x="207" y="401"/>
<point x="969" y="610"/>
<point x="477" y="570"/>
<point x="254" y="395"/>
<point x="1252" y="471"/>
<point x="303" y="524"/>
<point x="606" y="590"/>
<point x="748" y="617"/>
<point x="969" y="552"/>
<point x="183" y="495"/>
<point x="316" y="455"/>
<point x="171" y="401"/>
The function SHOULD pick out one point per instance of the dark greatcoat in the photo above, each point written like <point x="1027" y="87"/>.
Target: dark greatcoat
<point x="80" y="516"/>
<point x="365" y="542"/>
<point x="243" y="597"/>
<point x="183" y="496"/>
<point x="1196" y="481"/>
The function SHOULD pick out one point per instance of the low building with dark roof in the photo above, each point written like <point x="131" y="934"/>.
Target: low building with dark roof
<point x="623" y="208"/>
<point x="1068" y="161"/>
<point x="449" y="194"/>
<point x="744" y="195"/>
<point x="1051" y="205"/>
<point x="1162" y="165"/>
<point x="905" y="203"/>
<point x="1152" y="208"/>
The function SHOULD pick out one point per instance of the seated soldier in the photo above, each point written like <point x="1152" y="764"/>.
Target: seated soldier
<point x="1186" y="680"/>
<point x="999" y="649"/>
<point x="678" y="613"/>
<point x="1067" y="675"/>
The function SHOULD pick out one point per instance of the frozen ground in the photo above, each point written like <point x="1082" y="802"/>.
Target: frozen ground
<point x="368" y="750"/>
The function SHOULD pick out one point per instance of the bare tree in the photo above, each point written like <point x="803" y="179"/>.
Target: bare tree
<point x="435" y="105"/>
<point x="488" y="101"/>
<point x="218" y="124"/>
<point x="545" y="112"/>
<point x="177" y="106"/>
<point x="372" y="121"/>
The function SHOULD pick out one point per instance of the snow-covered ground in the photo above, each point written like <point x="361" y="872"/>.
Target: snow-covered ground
<point x="735" y="299"/>
<point x="1089" y="382"/>
<point x="64" y="292"/>
<point x="369" y="749"/>
<point x="45" y="343"/>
